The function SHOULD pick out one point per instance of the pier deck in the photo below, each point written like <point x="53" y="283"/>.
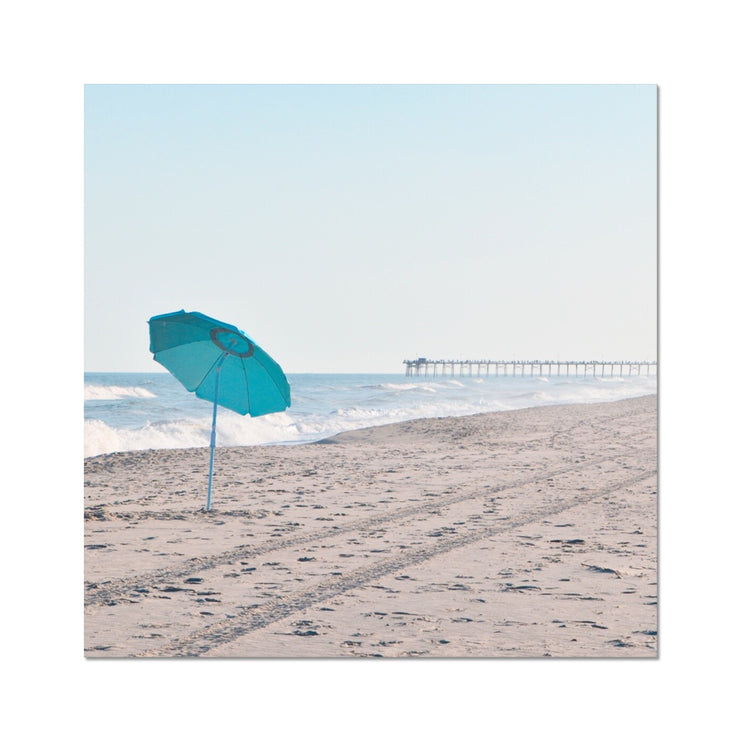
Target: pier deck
<point x="602" y="368"/>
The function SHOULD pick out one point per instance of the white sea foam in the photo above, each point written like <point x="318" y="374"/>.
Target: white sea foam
<point x="232" y="430"/>
<point x="115" y="392"/>
<point x="404" y="387"/>
<point x="101" y="438"/>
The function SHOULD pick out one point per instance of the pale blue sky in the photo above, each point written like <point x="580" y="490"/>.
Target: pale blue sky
<point x="347" y="228"/>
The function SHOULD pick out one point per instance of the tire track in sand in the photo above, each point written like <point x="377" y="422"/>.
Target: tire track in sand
<point x="102" y="594"/>
<point x="200" y="642"/>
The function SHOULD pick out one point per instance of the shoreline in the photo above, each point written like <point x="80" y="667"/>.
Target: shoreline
<point x="322" y="440"/>
<point x="512" y="533"/>
<point x="467" y="416"/>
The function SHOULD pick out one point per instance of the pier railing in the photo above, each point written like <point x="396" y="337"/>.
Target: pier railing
<point x="602" y="368"/>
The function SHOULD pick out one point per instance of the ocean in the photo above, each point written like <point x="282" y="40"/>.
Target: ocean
<point x="137" y="411"/>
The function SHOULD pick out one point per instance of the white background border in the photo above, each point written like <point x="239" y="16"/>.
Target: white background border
<point x="49" y="50"/>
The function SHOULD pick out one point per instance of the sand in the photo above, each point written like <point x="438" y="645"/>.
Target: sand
<point x="528" y="533"/>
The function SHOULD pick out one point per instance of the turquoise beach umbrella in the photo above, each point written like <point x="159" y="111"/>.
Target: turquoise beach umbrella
<point x="220" y="363"/>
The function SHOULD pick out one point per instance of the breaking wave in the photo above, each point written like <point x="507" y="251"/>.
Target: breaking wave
<point x="153" y="411"/>
<point x="115" y="392"/>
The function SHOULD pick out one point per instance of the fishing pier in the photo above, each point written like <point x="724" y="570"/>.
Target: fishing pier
<point x="582" y="368"/>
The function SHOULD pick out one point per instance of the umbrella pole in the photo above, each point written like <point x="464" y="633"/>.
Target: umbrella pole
<point x="213" y="431"/>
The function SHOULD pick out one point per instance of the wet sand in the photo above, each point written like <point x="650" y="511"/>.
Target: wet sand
<point x="528" y="533"/>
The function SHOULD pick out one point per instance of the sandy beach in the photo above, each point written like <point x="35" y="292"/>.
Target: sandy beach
<point x="527" y="533"/>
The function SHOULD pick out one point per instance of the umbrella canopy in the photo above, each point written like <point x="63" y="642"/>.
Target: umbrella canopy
<point x="220" y="363"/>
<point x="191" y="345"/>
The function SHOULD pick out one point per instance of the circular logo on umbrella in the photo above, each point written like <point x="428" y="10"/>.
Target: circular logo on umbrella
<point x="232" y="342"/>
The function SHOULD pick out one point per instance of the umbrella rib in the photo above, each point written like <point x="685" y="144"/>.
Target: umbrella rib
<point x="215" y="362"/>
<point x="272" y="377"/>
<point x="246" y="382"/>
<point x="183" y="344"/>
